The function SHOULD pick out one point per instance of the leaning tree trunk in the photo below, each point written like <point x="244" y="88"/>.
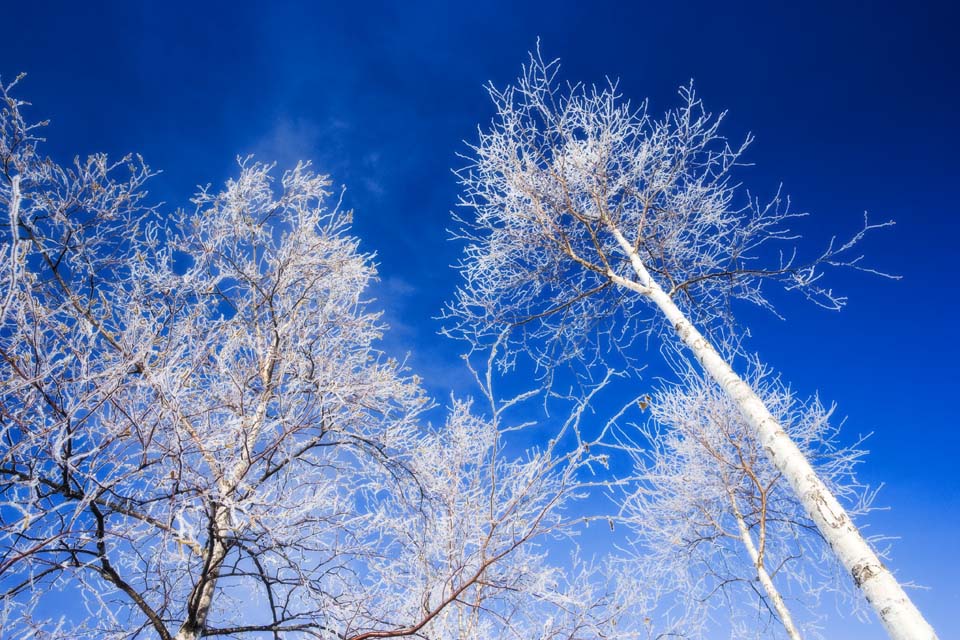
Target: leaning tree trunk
<point x="775" y="598"/>
<point x="900" y="617"/>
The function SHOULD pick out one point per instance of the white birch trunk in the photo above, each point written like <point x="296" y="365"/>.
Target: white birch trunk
<point x="899" y="615"/>
<point x="775" y="598"/>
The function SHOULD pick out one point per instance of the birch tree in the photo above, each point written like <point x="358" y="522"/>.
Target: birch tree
<point x="200" y="437"/>
<point x="592" y="223"/>
<point x="712" y="520"/>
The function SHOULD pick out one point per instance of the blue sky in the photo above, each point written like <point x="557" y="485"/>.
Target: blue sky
<point x="852" y="105"/>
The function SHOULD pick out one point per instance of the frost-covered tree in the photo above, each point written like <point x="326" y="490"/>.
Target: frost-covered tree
<point x="593" y="223"/>
<point x="465" y="564"/>
<point x="470" y="563"/>
<point x="189" y="410"/>
<point x="713" y="521"/>
<point x="200" y="438"/>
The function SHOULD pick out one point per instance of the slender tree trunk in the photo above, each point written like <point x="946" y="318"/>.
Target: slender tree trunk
<point x="14" y="259"/>
<point x="900" y="617"/>
<point x="775" y="598"/>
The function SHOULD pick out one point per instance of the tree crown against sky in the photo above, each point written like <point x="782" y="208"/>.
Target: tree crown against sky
<point x="189" y="394"/>
<point x="850" y="112"/>
<point x="200" y="437"/>
<point x="561" y="166"/>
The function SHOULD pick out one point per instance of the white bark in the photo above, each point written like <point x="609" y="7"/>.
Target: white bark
<point x="13" y="258"/>
<point x="899" y="615"/>
<point x="775" y="598"/>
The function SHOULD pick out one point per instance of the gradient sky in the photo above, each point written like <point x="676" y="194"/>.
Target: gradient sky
<point x="853" y="106"/>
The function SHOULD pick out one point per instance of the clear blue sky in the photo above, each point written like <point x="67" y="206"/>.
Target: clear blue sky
<point x="853" y="106"/>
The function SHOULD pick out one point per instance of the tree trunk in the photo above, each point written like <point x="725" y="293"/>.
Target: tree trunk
<point x="899" y="615"/>
<point x="775" y="598"/>
<point x="201" y="598"/>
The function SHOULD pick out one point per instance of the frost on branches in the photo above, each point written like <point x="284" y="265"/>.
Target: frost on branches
<point x="593" y="223"/>
<point x="715" y="524"/>
<point x="200" y="438"/>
